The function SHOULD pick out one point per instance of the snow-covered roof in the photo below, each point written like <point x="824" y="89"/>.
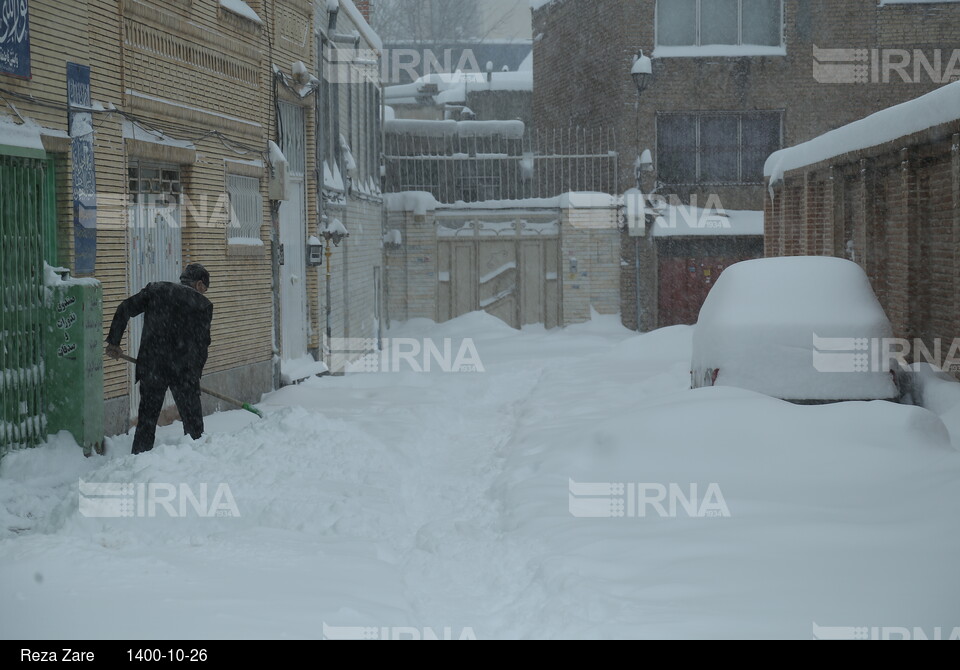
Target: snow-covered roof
<point x="933" y="109"/>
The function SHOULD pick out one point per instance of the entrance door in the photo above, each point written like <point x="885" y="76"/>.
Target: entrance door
<point x="27" y="220"/>
<point x="293" y="234"/>
<point x="156" y="252"/>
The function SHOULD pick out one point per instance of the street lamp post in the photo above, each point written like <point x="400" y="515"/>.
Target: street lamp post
<point x="641" y="73"/>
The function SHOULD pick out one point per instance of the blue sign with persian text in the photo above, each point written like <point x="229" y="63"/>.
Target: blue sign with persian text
<point x="84" y="170"/>
<point x="15" y="38"/>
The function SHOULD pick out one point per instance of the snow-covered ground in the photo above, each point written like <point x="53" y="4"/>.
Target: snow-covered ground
<point x="430" y="501"/>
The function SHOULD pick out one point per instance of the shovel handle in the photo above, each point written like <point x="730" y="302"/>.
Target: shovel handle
<point x="233" y="401"/>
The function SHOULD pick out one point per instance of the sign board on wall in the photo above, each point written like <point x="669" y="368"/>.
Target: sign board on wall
<point x="84" y="170"/>
<point x="15" y="38"/>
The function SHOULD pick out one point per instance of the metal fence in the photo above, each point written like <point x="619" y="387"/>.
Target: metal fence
<point x="27" y="213"/>
<point x="540" y="164"/>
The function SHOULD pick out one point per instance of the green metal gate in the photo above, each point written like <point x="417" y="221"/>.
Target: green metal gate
<point x="27" y="239"/>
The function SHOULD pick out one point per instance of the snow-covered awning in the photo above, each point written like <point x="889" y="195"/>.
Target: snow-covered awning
<point x="930" y="110"/>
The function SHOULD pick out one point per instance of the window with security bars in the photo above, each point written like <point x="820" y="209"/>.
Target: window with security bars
<point x="154" y="184"/>
<point x="246" y="209"/>
<point x="716" y="147"/>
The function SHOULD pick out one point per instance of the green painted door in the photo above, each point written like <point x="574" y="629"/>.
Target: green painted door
<point x="27" y="239"/>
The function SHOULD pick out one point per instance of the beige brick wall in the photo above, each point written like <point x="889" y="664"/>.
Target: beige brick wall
<point x="590" y="236"/>
<point x="354" y="263"/>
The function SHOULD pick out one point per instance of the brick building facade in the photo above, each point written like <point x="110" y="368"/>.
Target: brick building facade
<point x="893" y="207"/>
<point x="583" y="53"/>
<point x="729" y="88"/>
<point x="184" y="98"/>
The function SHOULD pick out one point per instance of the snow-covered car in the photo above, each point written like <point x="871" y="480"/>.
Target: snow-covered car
<point x="804" y="329"/>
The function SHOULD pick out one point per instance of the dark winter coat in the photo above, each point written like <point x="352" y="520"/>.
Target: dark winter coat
<point x="176" y="330"/>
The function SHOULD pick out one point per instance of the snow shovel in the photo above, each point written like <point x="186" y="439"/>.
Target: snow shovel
<point x="233" y="401"/>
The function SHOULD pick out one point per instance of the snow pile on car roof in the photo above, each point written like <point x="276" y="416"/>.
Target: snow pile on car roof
<point x="798" y="328"/>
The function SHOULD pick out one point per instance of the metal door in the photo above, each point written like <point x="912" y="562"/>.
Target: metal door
<point x="156" y="250"/>
<point x="293" y="234"/>
<point x="27" y="221"/>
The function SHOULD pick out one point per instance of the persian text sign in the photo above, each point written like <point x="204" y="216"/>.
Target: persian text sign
<point x="14" y="38"/>
<point x="84" y="171"/>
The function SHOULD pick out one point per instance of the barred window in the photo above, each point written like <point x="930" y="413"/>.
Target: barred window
<point x="246" y="209"/>
<point x="716" y="147"/>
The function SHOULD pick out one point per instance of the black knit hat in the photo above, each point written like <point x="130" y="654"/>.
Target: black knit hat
<point x="194" y="273"/>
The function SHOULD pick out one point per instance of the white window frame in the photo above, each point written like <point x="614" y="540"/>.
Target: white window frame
<point x="245" y="227"/>
<point x="711" y="49"/>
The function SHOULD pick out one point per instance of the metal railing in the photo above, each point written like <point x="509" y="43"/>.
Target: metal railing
<point x="27" y="212"/>
<point x="540" y="164"/>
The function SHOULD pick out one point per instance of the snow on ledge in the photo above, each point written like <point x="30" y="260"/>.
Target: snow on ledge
<point x="242" y="9"/>
<point x="930" y="110"/>
<point x="695" y="222"/>
<point x="422" y="128"/>
<point x="719" y="51"/>
<point x="356" y="17"/>
<point x="420" y="202"/>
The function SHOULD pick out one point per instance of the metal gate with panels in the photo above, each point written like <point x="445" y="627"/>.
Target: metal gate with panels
<point x="506" y="266"/>
<point x="27" y="239"/>
<point x="155" y="243"/>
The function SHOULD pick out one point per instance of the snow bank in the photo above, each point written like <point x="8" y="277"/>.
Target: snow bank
<point x="295" y="370"/>
<point x="933" y="109"/>
<point x="759" y="324"/>
<point x="938" y="392"/>
<point x="443" y="500"/>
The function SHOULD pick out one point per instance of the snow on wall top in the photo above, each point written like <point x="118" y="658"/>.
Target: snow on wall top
<point x="933" y="109"/>
<point x="453" y="87"/>
<point x="25" y="136"/>
<point x="364" y="28"/>
<point x="241" y="8"/>
<point x="696" y="222"/>
<point x="537" y="4"/>
<point x="420" y="202"/>
<point x="508" y="129"/>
